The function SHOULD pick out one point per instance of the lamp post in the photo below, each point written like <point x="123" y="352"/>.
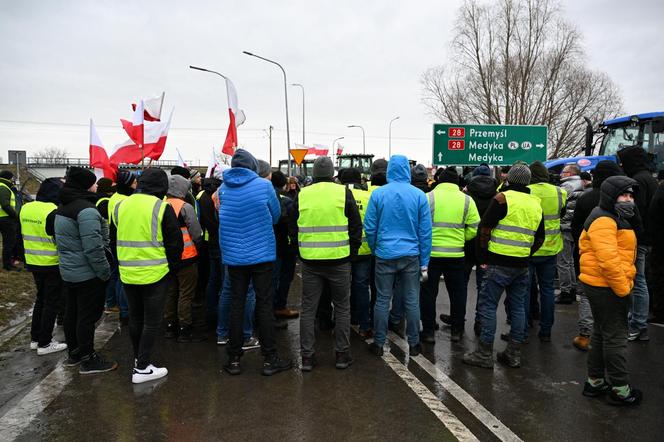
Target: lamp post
<point x="302" y="87"/>
<point x="364" y="138"/>
<point x="389" y="154"/>
<point x="290" y="170"/>
<point x="335" y="140"/>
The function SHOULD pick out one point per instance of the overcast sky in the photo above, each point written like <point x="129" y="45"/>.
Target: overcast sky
<point x="360" y="63"/>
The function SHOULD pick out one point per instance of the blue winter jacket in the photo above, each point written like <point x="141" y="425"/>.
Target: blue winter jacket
<point x="397" y="221"/>
<point x="248" y="208"/>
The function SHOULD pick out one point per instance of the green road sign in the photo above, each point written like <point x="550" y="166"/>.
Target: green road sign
<point x="473" y="144"/>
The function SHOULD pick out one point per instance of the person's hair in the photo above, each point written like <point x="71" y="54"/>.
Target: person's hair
<point x="572" y="168"/>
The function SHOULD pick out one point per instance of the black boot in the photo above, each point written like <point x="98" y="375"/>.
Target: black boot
<point x="511" y="356"/>
<point x="185" y="334"/>
<point x="481" y="357"/>
<point x="171" y="331"/>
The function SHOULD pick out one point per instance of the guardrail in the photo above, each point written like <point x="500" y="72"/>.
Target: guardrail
<point x="85" y="162"/>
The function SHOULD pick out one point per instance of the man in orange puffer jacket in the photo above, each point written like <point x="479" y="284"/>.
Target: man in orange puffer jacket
<point x="608" y="251"/>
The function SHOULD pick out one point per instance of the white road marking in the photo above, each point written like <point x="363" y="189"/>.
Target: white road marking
<point x="475" y="408"/>
<point x="19" y="417"/>
<point x="444" y="415"/>
<point x="657" y="325"/>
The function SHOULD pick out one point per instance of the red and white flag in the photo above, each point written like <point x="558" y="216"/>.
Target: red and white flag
<point x="155" y="135"/>
<point x="212" y="164"/>
<point x="340" y="149"/>
<point x="98" y="156"/>
<point x="152" y="107"/>
<point x="181" y="161"/>
<point x="136" y="127"/>
<point x="236" y="116"/>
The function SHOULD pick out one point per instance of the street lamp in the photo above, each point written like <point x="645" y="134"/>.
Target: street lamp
<point x="389" y="154"/>
<point x="335" y="140"/>
<point x="364" y="138"/>
<point x="299" y="85"/>
<point x="290" y="170"/>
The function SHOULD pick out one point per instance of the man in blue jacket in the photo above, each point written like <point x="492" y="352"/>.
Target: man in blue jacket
<point x="398" y="230"/>
<point x="248" y="210"/>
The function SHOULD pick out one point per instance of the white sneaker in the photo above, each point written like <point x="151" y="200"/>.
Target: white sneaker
<point x="150" y="373"/>
<point x="34" y="345"/>
<point x="52" y="347"/>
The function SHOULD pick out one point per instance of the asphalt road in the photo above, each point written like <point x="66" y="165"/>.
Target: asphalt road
<point x="430" y="397"/>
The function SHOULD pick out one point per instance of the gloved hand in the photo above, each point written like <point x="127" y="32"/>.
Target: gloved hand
<point x="424" y="275"/>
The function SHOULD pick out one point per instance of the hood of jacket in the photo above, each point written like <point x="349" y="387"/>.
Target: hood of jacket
<point x="612" y="188"/>
<point x="49" y="190"/>
<point x="178" y="186"/>
<point x="633" y="159"/>
<point x="398" y="170"/>
<point x="603" y="170"/>
<point x="68" y="195"/>
<point x="483" y="187"/>
<point x="242" y="158"/>
<point x="238" y="176"/>
<point x="153" y="182"/>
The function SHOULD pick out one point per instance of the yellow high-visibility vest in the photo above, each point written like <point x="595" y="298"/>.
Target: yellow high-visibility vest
<point x="514" y="235"/>
<point x="39" y="247"/>
<point x="454" y="219"/>
<point x="322" y="224"/>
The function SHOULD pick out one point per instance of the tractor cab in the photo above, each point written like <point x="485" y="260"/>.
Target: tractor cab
<point x="303" y="170"/>
<point x="362" y="162"/>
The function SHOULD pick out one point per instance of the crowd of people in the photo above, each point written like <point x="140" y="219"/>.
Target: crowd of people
<point x="175" y="255"/>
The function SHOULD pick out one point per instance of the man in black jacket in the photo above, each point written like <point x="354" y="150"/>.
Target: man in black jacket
<point x="209" y="218"/>
<point x="8" y="219"/>
<point x="634" y="161"/>
<point x="584" y="205"/>
<point x="317" y="268"/>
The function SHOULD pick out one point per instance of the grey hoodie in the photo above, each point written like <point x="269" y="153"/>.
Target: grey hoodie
<point x="178" y="187"/>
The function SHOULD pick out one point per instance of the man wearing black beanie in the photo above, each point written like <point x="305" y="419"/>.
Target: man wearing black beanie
<point x="82" y="241"/>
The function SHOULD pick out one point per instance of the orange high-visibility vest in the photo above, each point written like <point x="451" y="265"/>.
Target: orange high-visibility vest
<point x="189" y="250"/>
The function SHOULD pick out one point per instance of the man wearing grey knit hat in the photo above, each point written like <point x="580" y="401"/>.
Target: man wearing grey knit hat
<point x="511" y="230"/>
<point x="326" y="226"/>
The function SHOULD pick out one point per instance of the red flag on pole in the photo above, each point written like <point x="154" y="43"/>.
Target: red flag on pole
<point x="152" y="107"/>
<point x="98" y="156"/>
<point x="236" y="116"/>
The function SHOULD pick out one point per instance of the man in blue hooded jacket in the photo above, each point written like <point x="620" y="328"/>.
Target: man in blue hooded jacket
<point x="398" y="230"/>
<point x="248" y="210"/>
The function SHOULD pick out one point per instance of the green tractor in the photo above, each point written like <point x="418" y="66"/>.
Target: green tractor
<point x="362" y="162"/>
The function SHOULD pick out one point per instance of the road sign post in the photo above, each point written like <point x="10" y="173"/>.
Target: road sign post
<point x="496" y="145"/>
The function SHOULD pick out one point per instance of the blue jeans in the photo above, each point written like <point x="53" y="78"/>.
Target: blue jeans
<point x="638" y="318"/>
<point x="115" y="295"/>
<point x="516" y="282"/>
<point x="215" y="281"/>
<point x="224" y="309"/>
<point x="360" y="296"/>
<point x="544" y="268"/>
<point x="397" y="279"/>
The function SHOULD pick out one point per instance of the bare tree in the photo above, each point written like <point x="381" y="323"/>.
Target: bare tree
<point x="520" y="62"/>
<point x="52" y="154"/>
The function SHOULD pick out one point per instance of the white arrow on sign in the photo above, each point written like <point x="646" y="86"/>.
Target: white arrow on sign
<point x="539" y="145"/>
<point x="440" y="156"/>
<point x="440" y="132"/>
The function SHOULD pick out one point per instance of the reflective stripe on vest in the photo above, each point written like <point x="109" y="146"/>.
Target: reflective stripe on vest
<point x="362" y="201"/>
<point x="100" y="200"/>
<point x="514" y="235"/>
<point x="12" y="200"/>
<point x="206" y="234"/>
<point x="189" y="250"/>
<point x="449" y="220"/>
<point x="141" y="254"/>
<point x="39" y="247"/>
<point x="552" y="200"/>
<point x="112" y="202"/>
<point x="322" y="224"/>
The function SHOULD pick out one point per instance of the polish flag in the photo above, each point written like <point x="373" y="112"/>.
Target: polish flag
<point x="236" y="116"/>
<point x="181" y="161"/>
<point x="321" y="150"/>
<point x="98" y="156"/>
<point x="156" y="133"/>
<point x="136" y="127"/>
<point x="152" y="107"/>
<point x="340" y="150"/>
<point x="212" y="164"/>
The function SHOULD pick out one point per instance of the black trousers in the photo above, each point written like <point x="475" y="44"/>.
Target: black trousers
<point x="47" y="304"/>
<point x="146" y="310"/>
<point x="261" y="276"/>
<point x="85" y="305"/>
<point x="656" y="282"/>
<point x="8" y="230"/>
<point x="457" y="288"/>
